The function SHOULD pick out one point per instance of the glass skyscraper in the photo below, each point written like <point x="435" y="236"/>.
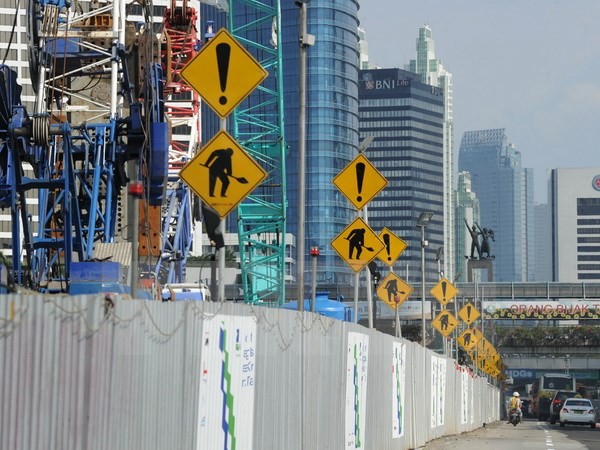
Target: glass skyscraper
<point x="505" y="192"/>
<point x="406" y="119"/>
<point x="432" y="72"/>
<point x="332" y="124"/>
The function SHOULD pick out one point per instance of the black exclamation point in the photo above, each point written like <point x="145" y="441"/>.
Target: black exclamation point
<point x="360" y="175"/>
<point x="386" y="241"/>
<point x="444" y="290"/>
<point x="223" y="52"/>
<point x="469" y="312"/>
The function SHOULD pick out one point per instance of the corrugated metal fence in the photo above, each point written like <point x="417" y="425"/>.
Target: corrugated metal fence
<point x="82" y="373"/>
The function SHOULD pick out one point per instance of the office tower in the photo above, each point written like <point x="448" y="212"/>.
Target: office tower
<point x="574" y="196"/>
<point x="505" y="192"/>
<point x="467" y="209"/>
<point x="542" y="239"/>
<point x="363" y="48"/>
<point x="432" y="72"/>
<point x="331" y="125"/>
<point x="406" y="119"/>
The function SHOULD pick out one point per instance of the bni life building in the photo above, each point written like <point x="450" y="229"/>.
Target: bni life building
<point x="406" y="119"/>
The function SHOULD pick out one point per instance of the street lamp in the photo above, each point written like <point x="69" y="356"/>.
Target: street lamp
<point x="423" y="222"/>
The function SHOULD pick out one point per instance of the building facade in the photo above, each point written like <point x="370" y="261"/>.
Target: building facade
<point x="432" y="72"/>
<point x="505" y="192"/>
<point x="574" y="197"/>
<point x="406" y="119"/>
<point x="331" y="125"/>
<point x="542" y="238"/>
<point x="466" y="213"/>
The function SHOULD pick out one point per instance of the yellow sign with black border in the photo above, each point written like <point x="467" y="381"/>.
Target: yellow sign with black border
<point x="357" y="244"/>
<point x="223" y="73"/>
<point x="445" y="322"/>
<point x="444" y="291"/>
<point x="222" y="174"/>
<point x="394" y="246"/>
<point x="360" y="181"/>
<point x="393" y="290"/>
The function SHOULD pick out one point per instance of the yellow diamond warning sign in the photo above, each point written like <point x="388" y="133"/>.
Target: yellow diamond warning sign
<point x="357" y="244"/>
<point x="444" y="291"/>
<point x="468" y="313"/>
<point x="394" y="246"/>
<point x="467" y="339"/>
<point x="393" y="290"/>
<point x="223" y="73"/>
<point x="445" y="322"/>
<point x="360" y="181"/>
<point x="222" y="174"/>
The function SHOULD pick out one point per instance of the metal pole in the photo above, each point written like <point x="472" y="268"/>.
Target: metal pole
<point x="301" y="160"/>
<point x="422" y="285"/>
<point x="397" y="317"/>
<point x="370" y="301"/>
<point x="356" y="280"/>
<point x="314" y="252"/>
<point x="136" y="190"/>
<point x="221" y="273"/>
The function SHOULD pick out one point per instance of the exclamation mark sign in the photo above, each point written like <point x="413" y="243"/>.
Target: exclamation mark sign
<point x="469" y="313"/>
<point x="444" y="290"/>
<point x="223" y="52"/>
<point x="386" y="241"/>
<point x="360" y="176"/>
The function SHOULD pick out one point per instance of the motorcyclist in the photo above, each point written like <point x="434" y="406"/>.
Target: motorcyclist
<point x="515" y="403"/>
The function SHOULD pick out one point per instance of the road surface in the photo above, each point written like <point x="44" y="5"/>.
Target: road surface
<point x="530" y="434"/>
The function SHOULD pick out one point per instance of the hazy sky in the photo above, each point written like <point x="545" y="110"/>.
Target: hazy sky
<point x="529" y="66"/>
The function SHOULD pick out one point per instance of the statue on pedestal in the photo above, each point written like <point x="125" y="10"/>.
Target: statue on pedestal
<point x="483" y="248"/>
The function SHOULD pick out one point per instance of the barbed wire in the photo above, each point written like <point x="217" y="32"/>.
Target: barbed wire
<point x="82" y="307"/>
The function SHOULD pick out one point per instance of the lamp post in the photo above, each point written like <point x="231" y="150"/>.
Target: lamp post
<point x="423" y="222"/>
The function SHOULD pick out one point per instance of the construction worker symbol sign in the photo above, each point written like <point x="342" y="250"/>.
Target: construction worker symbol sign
<point x="445" y="322"/>
<point x="467" y="339"/>
<point x="222" y="174"/>
<point x="357" y="244"/>
<point x="393" y="290"/>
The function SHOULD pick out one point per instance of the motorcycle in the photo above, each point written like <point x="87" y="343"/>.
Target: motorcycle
<point x="514" y="416"/>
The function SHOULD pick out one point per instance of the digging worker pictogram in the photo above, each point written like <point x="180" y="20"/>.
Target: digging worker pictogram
<point x="219" y="167"/>
<point x="356" y="240"/>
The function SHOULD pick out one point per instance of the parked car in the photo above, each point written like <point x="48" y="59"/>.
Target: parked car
<point x="557" y="403"/>
<point x="577" y="411"/>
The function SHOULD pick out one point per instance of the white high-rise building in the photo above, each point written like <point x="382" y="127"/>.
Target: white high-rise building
<point x="542" y="241"/>
<point x="574" y="198"/>
<point x="432" y="72"/>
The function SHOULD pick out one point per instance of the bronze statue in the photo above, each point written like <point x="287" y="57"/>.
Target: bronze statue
<point x="486" y="235"/>
<point x="474" y="240"/>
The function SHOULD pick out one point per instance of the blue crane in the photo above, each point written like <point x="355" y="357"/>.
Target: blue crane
<point x="107" y="95"/>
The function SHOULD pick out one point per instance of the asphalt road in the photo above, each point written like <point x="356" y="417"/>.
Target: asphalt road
<point x="530" y="434"/>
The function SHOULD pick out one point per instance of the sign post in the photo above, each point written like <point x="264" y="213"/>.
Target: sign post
<point x="223" y="73"/>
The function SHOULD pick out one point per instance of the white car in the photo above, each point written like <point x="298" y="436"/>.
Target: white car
<point x="577" y="411"/>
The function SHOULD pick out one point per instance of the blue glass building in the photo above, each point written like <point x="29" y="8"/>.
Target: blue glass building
<point x="406" y="119"/>
<point x="505" y="192"/>
<point x="332" y="124"/>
